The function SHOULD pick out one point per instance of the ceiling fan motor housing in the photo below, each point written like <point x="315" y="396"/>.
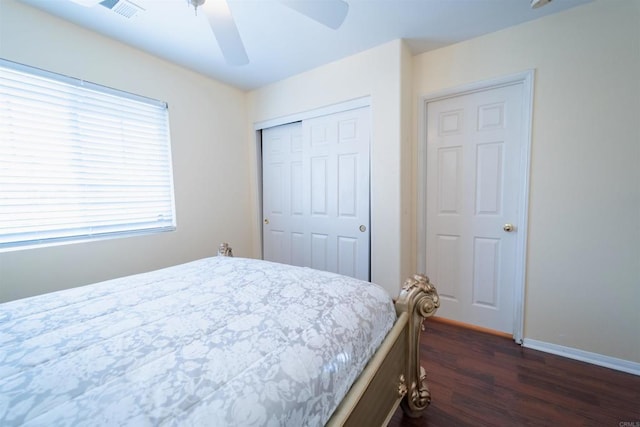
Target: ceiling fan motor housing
<point x="195" y="4"/>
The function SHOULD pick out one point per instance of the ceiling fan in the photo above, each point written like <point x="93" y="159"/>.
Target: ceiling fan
<point x="330" y="13"/>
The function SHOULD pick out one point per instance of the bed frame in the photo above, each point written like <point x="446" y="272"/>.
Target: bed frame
<point x="393" y="376"/>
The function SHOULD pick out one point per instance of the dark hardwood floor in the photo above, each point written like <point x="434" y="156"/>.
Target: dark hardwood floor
<point x="478" y="379"/>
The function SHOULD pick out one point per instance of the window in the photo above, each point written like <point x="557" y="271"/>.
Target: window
<point x="79" y="161"/>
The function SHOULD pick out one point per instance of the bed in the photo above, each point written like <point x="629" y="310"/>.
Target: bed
<point x="217" y="341"/>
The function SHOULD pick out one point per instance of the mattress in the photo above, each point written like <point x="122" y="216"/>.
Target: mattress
<point x="218" y="341"/>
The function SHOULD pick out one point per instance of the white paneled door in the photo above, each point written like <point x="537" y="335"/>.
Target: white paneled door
<point x="316" y="193"/>
<point x="474" y="144"/>
<point x="283" y="229"/>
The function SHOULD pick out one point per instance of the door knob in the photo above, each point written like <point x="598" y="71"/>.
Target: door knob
<point x="266" y="220"/>
<point x="363" y="228"/>
<point x="508" y="228"/>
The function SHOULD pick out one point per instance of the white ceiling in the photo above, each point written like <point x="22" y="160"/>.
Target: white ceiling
<point x="281" y="42"/>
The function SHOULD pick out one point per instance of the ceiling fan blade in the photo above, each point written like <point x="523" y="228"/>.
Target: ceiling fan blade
<point x="86" y="3"/>
<point x="226" y="32"/>
<point x="327" y="12"/>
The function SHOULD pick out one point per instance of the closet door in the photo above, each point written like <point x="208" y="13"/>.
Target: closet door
<point x="284" y="237"/>
<point x="316" y="193"/>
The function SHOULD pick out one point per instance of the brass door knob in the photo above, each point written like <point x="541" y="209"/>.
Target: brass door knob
<point x="508" y="228"/>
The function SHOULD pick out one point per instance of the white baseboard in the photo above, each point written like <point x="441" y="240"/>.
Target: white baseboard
<point x="584" y="356"/>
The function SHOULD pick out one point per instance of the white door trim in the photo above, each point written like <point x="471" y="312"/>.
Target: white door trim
<point x="365" y="101"/>
<point x="527" y="79"/>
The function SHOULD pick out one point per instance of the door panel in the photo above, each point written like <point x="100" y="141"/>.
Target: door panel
<point x="347" y="256"/>
<point x="347" y="185"/>
<point x="489" y="179"/>
<point x="445" y="263"/>
<point x="319" y="186"/>
<point x="474" y="143"/>
<point x="486" y="255"/>
<point x="319" y="251"/>
<point x="450" y="180"/>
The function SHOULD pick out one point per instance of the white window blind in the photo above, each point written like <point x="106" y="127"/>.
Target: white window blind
<point x="79" y="161"/>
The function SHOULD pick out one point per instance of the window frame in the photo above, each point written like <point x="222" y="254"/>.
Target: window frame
<point x="104" y="231"/>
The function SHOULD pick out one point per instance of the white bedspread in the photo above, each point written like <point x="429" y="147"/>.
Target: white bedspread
<point x="215" y="342"/>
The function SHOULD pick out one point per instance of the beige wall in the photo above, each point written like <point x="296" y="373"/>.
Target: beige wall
<point x="211" y="172"/>
<point x="408" y="186"/>
<point x="583" y="262"/>
<point x="376" y="73"/>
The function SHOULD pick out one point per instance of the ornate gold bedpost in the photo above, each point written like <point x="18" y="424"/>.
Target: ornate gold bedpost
<point x="224" y="250"/>
<point x="419" y="298"/>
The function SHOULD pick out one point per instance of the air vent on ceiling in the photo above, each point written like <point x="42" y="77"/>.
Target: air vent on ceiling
<point x="123" y="7"/>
